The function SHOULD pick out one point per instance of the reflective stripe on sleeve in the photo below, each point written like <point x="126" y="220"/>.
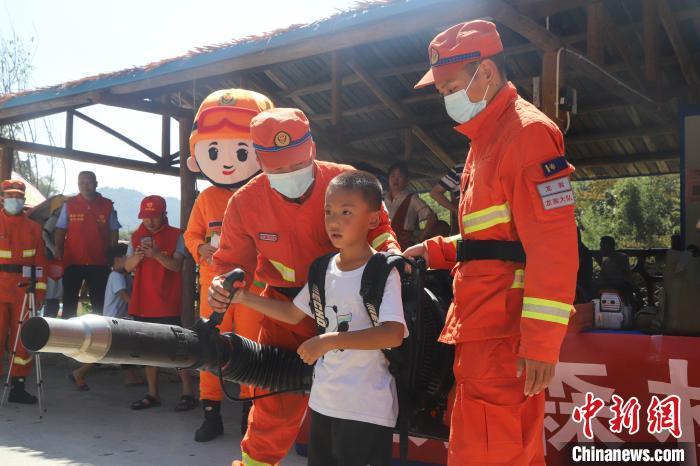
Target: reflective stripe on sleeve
<point x="381" y="239"/>
<point x="40" y="286"/>
<point x="21" y="361"/>
<point x="28" y="252"/>
<point x="248" y="461"/>
<point x="544" y="309"/>
<point x="286" y="272"/>
<point x="4" y="254"/>
<point x="519" y="279"/>
<point x="486" y="218"/>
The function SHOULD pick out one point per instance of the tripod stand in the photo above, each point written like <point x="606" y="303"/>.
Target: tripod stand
<point x="28" y="310"/>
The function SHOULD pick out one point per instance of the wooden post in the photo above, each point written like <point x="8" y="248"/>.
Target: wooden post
<point x="336" y="90"/>
<point x="5" y="163"/>
<point x="69" y="129"/>
<point x="165" y="138"/>
<point x="651" y="49"/>
<point x="594" y="32"/>
<point x="187" y="197"/>
<point x="408" y="144"/>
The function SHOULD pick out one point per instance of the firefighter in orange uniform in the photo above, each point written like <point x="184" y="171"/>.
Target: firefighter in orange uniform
<point x="221" y="149"/>
<point x="279" y="217"/>
<point x="20" y="245"/>
<point x="515" y="258"/>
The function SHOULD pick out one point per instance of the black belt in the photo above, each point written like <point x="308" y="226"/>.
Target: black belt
<point x="290" y="293"/>
<point x="11" y="268"/>
<point x="469" y="250"/>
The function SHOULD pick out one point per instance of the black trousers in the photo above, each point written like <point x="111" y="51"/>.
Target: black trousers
<point x="340" y="442"/>
<point x="95" y="276"/>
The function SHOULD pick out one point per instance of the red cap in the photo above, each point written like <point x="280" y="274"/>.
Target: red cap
<point x="14" y="186"/>
<point x="152" y="207"/>
<point x="281" y="136"/>
<point x="460" y="44"/>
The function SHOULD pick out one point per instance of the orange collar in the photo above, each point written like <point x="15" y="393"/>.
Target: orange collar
<point x="485" y="122"/>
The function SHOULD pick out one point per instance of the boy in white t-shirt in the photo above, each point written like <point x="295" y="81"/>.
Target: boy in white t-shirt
<point x="353" y="397"/>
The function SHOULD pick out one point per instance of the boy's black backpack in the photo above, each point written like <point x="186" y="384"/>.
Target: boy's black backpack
<point x="421" y="366"/>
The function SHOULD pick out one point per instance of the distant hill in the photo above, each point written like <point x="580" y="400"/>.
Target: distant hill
<point x="128" y="201"/>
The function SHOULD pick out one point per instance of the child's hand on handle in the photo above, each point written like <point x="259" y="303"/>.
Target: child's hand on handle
<point x="417" y="250"/>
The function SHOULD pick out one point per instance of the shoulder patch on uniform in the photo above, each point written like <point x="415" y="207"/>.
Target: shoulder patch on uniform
<point x="272" y="237"/>
<point x="550" y="167"/>
<point x="556" y="193"/>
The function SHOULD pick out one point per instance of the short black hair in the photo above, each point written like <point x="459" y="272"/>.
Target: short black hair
<point x="609" y="240"/>
<point x="116" y="251"/>
<point x="401" y="166"/>
<point x="360" y="181"/>
<point x="88" y="173"/>
<point x="499" y="60"/>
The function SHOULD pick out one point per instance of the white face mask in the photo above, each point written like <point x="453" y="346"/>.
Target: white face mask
<point x="293" y="184"/>
<point x="460" y="108"/>
<point x="13" y="205"/>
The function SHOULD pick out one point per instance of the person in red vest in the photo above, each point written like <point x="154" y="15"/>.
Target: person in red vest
<point x="515" y="259"/>
<point x="86" y="228"/>
<point x="21" y="245"/>
<point x="274" y="228"/>
<point x="155" y="255"/>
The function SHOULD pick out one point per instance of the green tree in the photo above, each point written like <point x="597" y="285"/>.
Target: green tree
<point x="640" y="212"/>
<point x="15" y="71"/>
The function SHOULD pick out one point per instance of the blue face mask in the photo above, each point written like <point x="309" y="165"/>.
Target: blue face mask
<point x="13" y="205"/>
<point x="294" y="184"/>
<point x="460" y="108"/>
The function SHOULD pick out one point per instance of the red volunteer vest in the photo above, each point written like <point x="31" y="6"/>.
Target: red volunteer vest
<point x="157" y="291"/>
<point x="87" y="236"/>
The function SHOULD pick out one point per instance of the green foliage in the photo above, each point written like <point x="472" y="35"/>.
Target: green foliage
<point x="638" y="212"/>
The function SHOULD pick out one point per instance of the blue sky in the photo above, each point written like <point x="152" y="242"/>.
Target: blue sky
<point x="78" y="38"/>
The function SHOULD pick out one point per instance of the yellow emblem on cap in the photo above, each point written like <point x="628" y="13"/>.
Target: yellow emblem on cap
<point x="227" y="99"/>
<point x="282" y="139"/>
<point x="434" y="56"/>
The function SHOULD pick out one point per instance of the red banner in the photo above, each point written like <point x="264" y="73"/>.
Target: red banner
<point x="650" y="369"/>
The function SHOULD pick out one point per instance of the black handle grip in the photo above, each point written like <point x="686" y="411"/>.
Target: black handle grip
<point x="236" y="275"/>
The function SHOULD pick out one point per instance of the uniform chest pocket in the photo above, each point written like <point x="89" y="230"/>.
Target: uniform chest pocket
<point x="276" y="246"/>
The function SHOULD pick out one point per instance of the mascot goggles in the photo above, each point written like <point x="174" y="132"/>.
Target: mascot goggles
<point x="219" y="118"/>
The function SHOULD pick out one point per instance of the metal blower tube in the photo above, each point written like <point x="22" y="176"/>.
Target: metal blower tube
<point x="92" y="338"/>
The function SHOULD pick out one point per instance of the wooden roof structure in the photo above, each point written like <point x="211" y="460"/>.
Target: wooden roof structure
<point x="632" y="63"/>
<point x="353" y="75"/>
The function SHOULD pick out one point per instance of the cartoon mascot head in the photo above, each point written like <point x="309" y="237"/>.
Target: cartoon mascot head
<point x="220" y="144"/>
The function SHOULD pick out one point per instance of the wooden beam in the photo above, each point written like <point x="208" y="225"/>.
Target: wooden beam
<point x="594" y="33"/>
<point x="623" y="47"/>
<point x="118" y="135"/>
<point x="620" y="134"/>
<point x="147" y="106"/>
<point x="541" y="9"/>
<point x="651" y="43"/>
<point x="525" y="26"/>
<point x="620" y="159"/>
<point x="6" y="160"/>
<point x="69" y="129"/>
<point x="401" y="111"/>
<point x="336" y="90"/>
<point x="408" y="145"/>
<point x="88" y="157"/>
<point x="676" y="39"/>
<point x="188" y="195"/>
<point x="46" y="107"/>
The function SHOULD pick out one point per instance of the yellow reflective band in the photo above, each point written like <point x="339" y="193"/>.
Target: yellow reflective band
<point x="486" y="218"/>
<point x="248" y="461"/>
<point x="379" y="240"/>
<point x="21" y="361"/>
<point x="286" y="272"/>
<point x="5" y="254"/>
<point x="519" y="279"/>
<point x="29" y="253"/>
<point x="544" y="309"/>
<point x="454" y="239"/>
<point x="41" y="286"/>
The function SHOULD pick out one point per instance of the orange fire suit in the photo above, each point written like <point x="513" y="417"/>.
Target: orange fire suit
<point x="515" y="187"/>
<point x="287" y="236"/>
<point x="20" y="244"/>
<point x="204" y="226"/>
